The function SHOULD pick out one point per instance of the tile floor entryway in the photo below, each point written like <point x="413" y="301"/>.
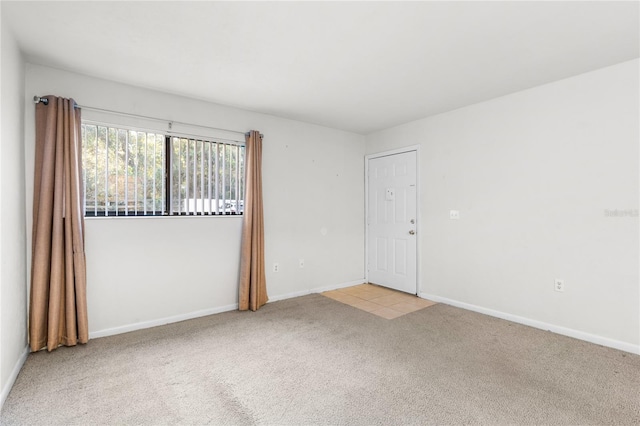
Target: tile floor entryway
<point x="380" y="301"/>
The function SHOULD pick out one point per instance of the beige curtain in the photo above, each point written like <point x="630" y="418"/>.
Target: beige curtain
<point x="253" y="283"/>
<point x="58" y="305"/>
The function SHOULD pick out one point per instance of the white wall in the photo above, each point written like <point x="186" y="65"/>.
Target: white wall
<point x="13" y="290"/>
<point x="532" y="174"/>
<point x="143" y="271"/>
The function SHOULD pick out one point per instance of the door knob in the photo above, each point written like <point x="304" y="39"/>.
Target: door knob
<point x="412" y="232"/>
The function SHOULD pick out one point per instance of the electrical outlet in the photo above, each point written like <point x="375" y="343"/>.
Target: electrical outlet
<point x="301" y="263"/>
<point x="558" y="285"/>
<point x="454" y="214"/>
<point x="276" y="267"/>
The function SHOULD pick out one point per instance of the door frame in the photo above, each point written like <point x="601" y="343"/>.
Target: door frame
<point x="368" y="157"/>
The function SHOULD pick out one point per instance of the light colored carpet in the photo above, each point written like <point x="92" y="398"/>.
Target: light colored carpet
<point x="313" y="360"/>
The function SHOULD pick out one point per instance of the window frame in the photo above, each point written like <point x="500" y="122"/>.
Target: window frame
<point x="167" y="136"/>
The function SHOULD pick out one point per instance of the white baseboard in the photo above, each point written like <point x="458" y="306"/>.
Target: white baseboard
<point x="14" y="375"/>
<point x="288" y="295"/>
<point x="337" y="286"/>
<point x="314" y="290"/>
<point x="576" y="334"/>
<point x="205" y="312"/>
<point x="161" y="321"/>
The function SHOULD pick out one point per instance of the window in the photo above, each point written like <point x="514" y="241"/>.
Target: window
<point x="131" y="172"/>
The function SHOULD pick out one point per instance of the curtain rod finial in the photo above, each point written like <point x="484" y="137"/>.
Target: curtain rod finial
<point x="38" y="99"/>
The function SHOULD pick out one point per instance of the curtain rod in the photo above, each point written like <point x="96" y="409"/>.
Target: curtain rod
<point x="38" y="99"/>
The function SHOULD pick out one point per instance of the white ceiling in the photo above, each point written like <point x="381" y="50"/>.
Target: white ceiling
<point x="357" y="66"/>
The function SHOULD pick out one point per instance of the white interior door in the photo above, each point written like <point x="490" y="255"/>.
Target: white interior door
<point x="391" y="221"/>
